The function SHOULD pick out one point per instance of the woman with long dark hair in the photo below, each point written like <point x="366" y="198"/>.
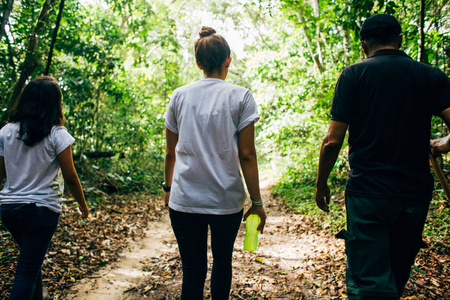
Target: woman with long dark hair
<point x="209" y="133"/>
<point x="35" y="150"/>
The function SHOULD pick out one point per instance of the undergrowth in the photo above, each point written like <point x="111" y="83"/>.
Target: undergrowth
<point x="137" y="172"/>
<point x="297" y="190"/>
<point x="437" y="227"/>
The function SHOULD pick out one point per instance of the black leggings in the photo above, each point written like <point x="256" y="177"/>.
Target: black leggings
<point x="191" y="231"/>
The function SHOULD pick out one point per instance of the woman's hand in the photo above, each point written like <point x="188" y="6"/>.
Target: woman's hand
<point x="84" y="211"/>
<point x="166" y="199"/>
<point x="258" y="210"/>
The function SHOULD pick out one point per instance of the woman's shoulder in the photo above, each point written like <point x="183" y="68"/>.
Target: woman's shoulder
<point x="59" y="131"/>
<point x="243" y="93"/>
<point x="59" y="135"/>
<point x="12" y="125"/>
<point x="9" y="127"/>
<point x="187" y="87"/>
<point x="234" y="86"/>
<point x="58" y="128"/>
<point x="212" y="86"/>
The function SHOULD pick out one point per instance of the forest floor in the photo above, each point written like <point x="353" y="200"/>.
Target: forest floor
<point x="128" y="251"/>
<point x="294" y="260"/>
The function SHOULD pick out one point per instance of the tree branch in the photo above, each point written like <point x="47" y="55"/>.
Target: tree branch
<point x="30" y="63"/>
<point x="54" y="36"/>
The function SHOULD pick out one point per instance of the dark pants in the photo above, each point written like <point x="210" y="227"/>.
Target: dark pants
<point x="32" y="228"/>
<point x="382" y="239"/>
<point x="191" y="231"/>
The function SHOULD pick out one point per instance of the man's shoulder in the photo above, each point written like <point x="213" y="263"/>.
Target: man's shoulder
<point x="395" y="61"/>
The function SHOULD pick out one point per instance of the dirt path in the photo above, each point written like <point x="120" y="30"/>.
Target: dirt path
<point x="116" y="280"/>
<point x="295" y="260"/>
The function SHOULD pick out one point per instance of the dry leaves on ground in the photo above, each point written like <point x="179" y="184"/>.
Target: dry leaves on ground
<point x="315" y="269"/>
<point x="80" y="247"/>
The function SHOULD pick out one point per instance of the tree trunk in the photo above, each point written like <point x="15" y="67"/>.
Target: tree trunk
<point x="315" y="57"/>
<point x="55" y="35"/>
<point x="447" y="52"/>
<point x="422" y="53"/>
<point x="5" y="16"/>
<point x="346" y="46"/>
<point x="316" y="9"/>
<point x="30" y="62"/>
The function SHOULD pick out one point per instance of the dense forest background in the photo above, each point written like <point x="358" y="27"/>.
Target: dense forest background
<point x="118" y="61"/>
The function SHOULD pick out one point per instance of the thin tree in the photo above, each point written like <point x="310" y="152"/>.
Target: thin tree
<point x="30" y="63"/>
<point x="316" y="8"/>
<point x="54" y="36"/>
<point x="312" y="52"/>
<point x="5" y="16"/>
<point x="422" y="33"/>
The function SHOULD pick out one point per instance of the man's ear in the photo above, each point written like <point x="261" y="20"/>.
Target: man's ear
<point x="198" y="65"/>
<point x="400" y="40"/>
<point x="364" y="47"/>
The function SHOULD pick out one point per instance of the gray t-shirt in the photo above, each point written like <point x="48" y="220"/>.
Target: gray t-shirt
<point x="207" y="116"/>
<point x="33" y="174"/>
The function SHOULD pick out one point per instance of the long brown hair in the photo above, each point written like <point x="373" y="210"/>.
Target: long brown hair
<point x="211" y="50"/>
<point x="38" y="109"/>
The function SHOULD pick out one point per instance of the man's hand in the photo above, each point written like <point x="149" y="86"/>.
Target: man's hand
<point x="323" y="197"/>
<point x="439" y="146"/>
<point x="329" y="153"/>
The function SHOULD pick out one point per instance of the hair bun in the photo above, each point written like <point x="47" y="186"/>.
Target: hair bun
<point x="206" y="31"/>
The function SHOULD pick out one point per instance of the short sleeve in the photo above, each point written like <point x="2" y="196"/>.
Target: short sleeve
<point x="249" y="111"/>
<point x="344" y="102"/>
<point x="170" y="120"/>
<point x="61" y="139"/>
<point x="443" y="93"/>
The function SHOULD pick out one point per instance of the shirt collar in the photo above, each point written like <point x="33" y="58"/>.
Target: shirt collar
<point x="212" y="79"/>
<point x="388" y="52"/>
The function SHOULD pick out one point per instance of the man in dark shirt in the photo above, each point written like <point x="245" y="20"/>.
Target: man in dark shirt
<point x="386" y="102"/>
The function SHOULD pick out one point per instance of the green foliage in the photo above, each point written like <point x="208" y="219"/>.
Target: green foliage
<point x="437" y="228"/>
<point x="118" y="62"/>
<point x="117" y="78"/>
<point x="123" y="175"/>
<point x="297" y="189"/>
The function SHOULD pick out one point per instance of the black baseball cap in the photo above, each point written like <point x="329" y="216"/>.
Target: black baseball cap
<point x="378" y="26"/>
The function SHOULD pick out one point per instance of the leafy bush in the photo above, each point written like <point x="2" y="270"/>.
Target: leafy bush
<point x="138" y="172"/>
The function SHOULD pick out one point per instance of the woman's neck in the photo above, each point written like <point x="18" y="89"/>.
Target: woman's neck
<point x="217" y="74"/>
<point x="216" y="77"/>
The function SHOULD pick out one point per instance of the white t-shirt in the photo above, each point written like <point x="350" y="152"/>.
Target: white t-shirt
<point x="207" y="116"/>
<point x="33" y="174"/>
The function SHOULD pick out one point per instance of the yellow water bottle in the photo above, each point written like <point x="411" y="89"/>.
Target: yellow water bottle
<point x="251" y="234"/>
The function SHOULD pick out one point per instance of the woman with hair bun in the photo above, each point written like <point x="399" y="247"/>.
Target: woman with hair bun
<point x="209" y="133"/>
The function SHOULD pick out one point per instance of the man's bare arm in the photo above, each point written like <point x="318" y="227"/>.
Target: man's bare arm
<point x="329" y="152"/>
